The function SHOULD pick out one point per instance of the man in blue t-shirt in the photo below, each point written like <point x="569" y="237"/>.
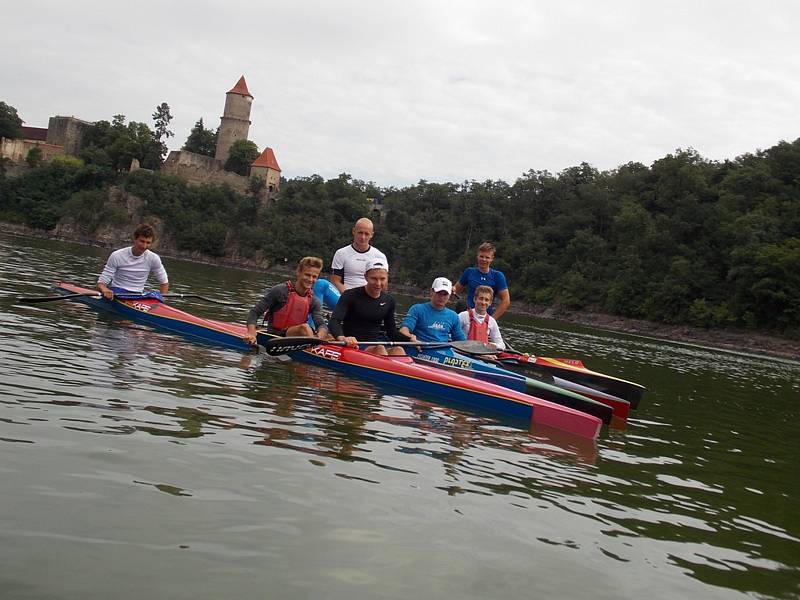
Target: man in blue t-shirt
<point x="433" y="321"/>
<point x="483" y="274"/>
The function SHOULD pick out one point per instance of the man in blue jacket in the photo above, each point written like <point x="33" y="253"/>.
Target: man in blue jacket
<point x="433" y="321"/>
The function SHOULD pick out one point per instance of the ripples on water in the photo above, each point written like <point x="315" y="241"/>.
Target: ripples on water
<point x="126" y="450"/>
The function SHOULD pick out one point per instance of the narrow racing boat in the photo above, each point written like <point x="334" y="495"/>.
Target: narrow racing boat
<point x="621" y="408"/>
<point x="398" y="371"/>
<point x="486" y="371"/>
<point x="402" y="371"/>
<point x="575" y="371"/>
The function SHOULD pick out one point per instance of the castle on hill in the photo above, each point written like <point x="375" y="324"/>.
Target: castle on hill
<point x="234" y="125"/>
<point x="64" y="135"/>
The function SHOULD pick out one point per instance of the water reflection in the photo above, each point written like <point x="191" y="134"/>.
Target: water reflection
<point x="698" y="494"/>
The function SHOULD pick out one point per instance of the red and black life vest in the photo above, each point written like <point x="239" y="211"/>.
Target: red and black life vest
<point x="478" y="331"/>
<point x="294" y="312"/>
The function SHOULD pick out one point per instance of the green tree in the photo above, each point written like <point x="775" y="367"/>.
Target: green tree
<point x="201" y="140"/>
<point x="161" y="118"/>
<point x="34" y="157"/>
<point x="10" y="122"/>
<point x="241" y="156"/>
<point x="113" y="145"/>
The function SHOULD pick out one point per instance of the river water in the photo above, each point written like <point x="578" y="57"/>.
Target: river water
<point x="137" y="464"/>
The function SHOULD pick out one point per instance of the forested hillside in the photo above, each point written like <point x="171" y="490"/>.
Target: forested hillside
<point x="685" y="240"/>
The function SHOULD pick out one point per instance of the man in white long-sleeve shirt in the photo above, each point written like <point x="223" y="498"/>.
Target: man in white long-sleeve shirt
<point x="127" y="269"/>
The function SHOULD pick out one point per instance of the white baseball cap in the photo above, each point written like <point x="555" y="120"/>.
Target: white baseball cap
<point x="442" y="284"/>
<point x="376" y="263"/>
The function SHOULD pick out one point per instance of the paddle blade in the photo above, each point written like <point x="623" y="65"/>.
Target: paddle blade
<point x="34" y="300"/>
<point x="473" y="347"/>
<point x="277" y="346"/>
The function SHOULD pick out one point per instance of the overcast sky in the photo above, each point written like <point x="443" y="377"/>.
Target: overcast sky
<point x="395" y="92"/>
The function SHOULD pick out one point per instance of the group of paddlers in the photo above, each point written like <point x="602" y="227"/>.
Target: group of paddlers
<point x="362" y="308"/>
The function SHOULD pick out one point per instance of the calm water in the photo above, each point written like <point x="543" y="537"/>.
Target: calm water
<point x="137" y="465"/>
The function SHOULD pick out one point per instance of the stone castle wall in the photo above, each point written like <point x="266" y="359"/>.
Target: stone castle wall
<point x="199" y="169"/>
<point x="67" y="132"/>
<point x="17" y="150"/>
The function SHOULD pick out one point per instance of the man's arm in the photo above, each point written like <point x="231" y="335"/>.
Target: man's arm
<point x="463" y="320"/>
<point x="337" y="270"/>
<point x="409" y="323"/>
<point x="265" y="304"/>
<point x="318" y="318"/>
<point x="106" y="276"/>
<point x="160" y="273"/>
<point x="494" y="334"/>
<point x="502" y="306"/>
<point x="456" y="333"/>
<point x="107" y="293"/>
<point x="335" y="323"/>
<point x="337" y="282"/>
<point x="390" y="326"/>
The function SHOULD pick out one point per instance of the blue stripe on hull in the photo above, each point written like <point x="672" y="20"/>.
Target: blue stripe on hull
<point x="484" y="402"/>
<point x="480" y="369"/>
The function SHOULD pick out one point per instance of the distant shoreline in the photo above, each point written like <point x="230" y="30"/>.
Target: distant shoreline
<point x="731" y="340"/>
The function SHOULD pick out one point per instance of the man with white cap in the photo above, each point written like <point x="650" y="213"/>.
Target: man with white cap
<point x="433" y="321"/>
<point x="362" y="312"/>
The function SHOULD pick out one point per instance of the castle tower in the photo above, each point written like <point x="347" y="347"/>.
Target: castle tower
<point x="266" y="167"/>
<point x="235" y="121"/>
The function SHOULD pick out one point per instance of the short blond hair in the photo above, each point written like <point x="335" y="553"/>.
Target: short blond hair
<point x="483" y="289"/>
<point x="309" y="261"/>
<point x="487" y="247"/>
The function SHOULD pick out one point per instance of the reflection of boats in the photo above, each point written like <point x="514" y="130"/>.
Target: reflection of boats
<point x="397" y="371"/>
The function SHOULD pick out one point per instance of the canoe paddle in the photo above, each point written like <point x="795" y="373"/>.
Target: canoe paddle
<point x="59" y="297"/>
<point x="285" y="345"/>
<point x="198" y="297"/>
<point x="33" y="300"/>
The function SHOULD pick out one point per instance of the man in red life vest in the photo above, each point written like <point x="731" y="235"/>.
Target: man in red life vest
<point x="287" y="305"/>
<point x="478" y="324"/>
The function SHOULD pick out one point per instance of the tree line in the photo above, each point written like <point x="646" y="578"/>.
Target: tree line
<point x="685" y="240"/>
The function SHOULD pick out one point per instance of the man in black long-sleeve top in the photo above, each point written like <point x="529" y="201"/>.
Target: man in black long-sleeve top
<point x="362" y="312"/>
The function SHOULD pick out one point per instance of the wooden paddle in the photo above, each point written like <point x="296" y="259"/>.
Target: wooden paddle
<point x="285" y="345"/>
<point x="33" y="300"/>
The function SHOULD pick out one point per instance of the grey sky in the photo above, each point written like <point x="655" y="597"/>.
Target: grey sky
<point x="423" y="89"/>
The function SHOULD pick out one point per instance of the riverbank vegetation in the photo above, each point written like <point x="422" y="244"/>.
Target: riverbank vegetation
<point x="682" y="241"/>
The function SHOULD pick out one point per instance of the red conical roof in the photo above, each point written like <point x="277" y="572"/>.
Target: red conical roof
<point x="241" y="88"/>
<point x="267" y="159"/>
